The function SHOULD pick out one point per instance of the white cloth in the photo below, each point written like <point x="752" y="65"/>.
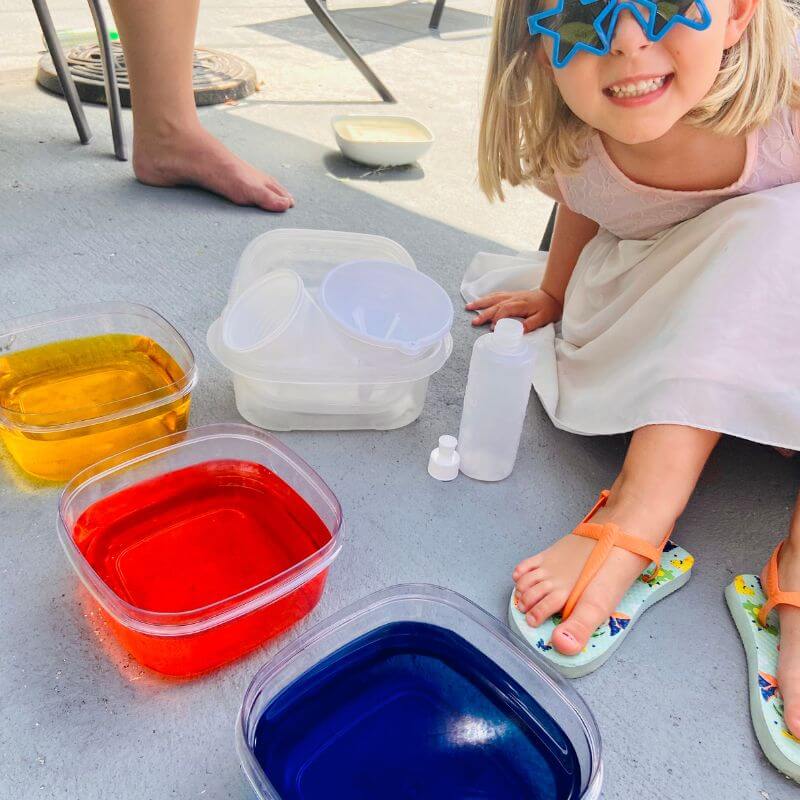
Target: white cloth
<point x="698" y="325"/>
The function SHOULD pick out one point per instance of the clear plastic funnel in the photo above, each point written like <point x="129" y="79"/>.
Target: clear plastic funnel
<point x="387" y="305"/>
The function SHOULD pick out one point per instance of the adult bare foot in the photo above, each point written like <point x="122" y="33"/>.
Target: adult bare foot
<point x="789" y="655"/>
<point x="194" y="157"/>
<point x="544" y="581"/>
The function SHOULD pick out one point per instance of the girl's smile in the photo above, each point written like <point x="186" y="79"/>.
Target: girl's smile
<point x="638" y="90"/>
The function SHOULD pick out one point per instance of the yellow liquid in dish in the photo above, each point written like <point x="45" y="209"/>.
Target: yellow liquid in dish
<point x="97" y="386"/>
<point x="381" y="130"/>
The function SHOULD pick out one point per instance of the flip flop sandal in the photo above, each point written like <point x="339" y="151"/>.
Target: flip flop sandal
<point x="672" y="569"/>
<point x="751" y="606"/>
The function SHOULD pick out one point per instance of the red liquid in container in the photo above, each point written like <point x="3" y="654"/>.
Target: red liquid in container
<point x="193" y="546"/>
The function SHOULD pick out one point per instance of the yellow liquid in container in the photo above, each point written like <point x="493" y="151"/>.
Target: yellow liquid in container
<point x="381" y="129"/>
<point x="71" y="403"/>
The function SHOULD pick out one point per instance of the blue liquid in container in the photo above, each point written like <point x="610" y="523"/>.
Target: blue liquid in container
<point x="412" y="711"/>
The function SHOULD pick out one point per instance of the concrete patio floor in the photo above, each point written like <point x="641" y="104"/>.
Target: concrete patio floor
<point x="81" y="720"/>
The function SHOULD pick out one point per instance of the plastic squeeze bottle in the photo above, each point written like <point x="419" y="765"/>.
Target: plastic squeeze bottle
<point x="495" y="401"/>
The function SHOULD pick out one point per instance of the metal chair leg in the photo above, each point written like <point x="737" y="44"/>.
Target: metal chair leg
<point x="548" y="231"/>
<point x="436" y="16"/>
<point x="347" y="48"/>
<point x="110" y="80"/>
<point x="64" y="75"/>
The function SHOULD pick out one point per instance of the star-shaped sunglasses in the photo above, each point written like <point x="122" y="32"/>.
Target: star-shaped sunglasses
<point x="589" y="25"/>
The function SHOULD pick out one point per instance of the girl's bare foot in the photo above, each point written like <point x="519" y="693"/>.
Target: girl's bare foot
<point x="544" y="581"/>
<point x="660" y="472"/>
<point x="193" y="157"/>
<point x="789" y="655"/>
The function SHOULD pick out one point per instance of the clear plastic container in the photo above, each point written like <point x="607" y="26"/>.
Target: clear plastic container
<point x="310" y="253"/>
<point x="332" y="395"/>
<point x="202" y="545"/>
<point x="328" y="384"/>
<point x="82" y="383"/>
<point x="415" y="692"/>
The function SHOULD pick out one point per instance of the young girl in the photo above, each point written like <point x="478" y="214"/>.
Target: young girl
<point x="674" y="270"/>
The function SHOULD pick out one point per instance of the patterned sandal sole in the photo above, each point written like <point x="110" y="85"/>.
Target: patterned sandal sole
<point x="674" y="571"/>
<point x="745" y="598"/>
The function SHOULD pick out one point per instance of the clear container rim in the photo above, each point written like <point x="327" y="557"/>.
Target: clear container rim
<point x="175" y="391"/>
<point x="280" y="237"/>
<point x="431" y="363"/>
<point x="192" y="621"/>
<point x="368" y="605"/>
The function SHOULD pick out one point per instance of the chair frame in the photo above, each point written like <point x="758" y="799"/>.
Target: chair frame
<point x="548" y="230"/>
<point x="317" y="7"/>
<point x="68" y="83"/>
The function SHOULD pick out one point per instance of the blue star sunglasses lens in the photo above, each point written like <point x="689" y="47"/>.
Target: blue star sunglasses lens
<point x="588" y="25"/>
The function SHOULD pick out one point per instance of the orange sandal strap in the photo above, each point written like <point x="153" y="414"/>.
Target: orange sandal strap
<point x="608" y="537"/>
<point x="775" y="597"/>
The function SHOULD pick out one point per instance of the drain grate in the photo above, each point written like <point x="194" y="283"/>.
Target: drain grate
<point x="217" y="76"/>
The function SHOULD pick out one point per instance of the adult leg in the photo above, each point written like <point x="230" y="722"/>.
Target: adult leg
<point x="170" y="146"/>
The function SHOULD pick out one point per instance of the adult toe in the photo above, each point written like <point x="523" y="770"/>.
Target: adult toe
<point x="268" y="199"/>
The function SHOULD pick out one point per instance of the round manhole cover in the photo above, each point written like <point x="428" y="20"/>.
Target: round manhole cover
<point x="217" y="76"/>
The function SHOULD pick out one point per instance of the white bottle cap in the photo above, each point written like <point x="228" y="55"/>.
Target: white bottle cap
<point x="444" y="461"/>
<point x="507" y="336"/>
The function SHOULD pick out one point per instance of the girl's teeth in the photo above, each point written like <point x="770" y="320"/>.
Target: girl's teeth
<point x="637" y="89"/>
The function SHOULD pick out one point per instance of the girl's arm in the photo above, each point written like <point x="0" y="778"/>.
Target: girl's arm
<point x="572" y="232"/>
<point x="543" y="305"/>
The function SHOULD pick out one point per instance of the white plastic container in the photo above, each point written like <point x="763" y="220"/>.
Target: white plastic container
<point x="381" y="141"/>
<point x="495" y="401"/>
<point x="327" y="384"/>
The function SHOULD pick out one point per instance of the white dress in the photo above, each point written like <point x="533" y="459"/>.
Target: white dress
<point x="697" y="324"/>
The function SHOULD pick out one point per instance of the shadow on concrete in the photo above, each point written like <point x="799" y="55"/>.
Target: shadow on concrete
<point x="377" y="28"/>
<point x="341" y="167"/>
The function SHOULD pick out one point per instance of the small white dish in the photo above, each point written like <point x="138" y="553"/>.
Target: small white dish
<point x="381" y="141"/>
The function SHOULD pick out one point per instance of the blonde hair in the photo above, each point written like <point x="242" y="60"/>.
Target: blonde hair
<point x="528" y="132"/>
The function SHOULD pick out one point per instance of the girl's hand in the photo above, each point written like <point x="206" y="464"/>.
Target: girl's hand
<point x="536" y="308"/>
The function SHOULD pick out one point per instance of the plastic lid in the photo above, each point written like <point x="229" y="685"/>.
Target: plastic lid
<point x="311" y="254"/>
<point x="444" y="461"/>
<point x="262" y="312"/>
<point x="507" y="336"/>
<point x="387" y="305"/>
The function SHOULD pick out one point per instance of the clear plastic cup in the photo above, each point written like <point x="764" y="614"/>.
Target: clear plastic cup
<point x="277" y="321"/>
